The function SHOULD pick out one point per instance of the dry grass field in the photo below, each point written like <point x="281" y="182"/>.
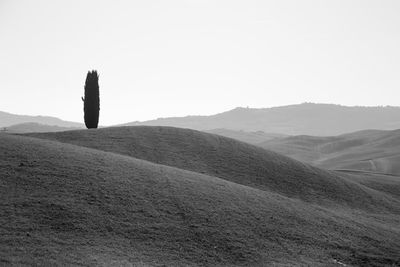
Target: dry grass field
<point x="163" y="196"/>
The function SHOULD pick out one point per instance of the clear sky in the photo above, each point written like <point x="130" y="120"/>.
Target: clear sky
<point x="175" y="58"/>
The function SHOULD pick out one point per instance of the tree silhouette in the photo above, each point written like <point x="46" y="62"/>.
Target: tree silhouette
<point x="91" y="101"/>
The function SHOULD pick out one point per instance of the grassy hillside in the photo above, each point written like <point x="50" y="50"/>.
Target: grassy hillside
<point x="230" y="160"/>
<point x="372" y="150"/>
<point x="63" y="204"/>
<point x="382" y="182"/>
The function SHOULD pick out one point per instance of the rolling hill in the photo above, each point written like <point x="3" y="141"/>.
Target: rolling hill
<point x="302" y="119"/>
<point x="370" y="150"/>
<point x="225" y="158"/>
<point x="253" y="138"/>
<point x="156" y="196"/>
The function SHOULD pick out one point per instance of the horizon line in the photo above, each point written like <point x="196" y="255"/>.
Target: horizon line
<point x="200" y="115"/>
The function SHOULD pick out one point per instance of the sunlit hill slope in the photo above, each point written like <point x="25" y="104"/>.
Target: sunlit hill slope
<point x="370" y="150"/>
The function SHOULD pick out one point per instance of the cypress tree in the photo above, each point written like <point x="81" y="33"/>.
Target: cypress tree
<point x="91" y="101"/>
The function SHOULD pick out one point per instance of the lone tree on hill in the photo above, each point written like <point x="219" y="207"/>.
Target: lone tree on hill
<point x="91" y="101"/>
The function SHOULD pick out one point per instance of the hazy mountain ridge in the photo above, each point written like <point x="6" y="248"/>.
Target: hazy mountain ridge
<point x="33" y="127"/>
<point x="302" y="119"/>
<point x="307" y="118"/>
<point x="8" y="119"/>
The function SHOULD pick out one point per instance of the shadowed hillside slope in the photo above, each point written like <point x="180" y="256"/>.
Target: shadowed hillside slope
<point x="230" y="160"/>
<point x="67" y="205"/>
<point x="371" y="150"/>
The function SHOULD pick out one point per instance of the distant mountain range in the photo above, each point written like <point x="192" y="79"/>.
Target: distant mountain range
<point x="33" y="127"/>
<point x="8" y="119"/>
<point x="302" y="119"/>
<point x="307" y="119"/>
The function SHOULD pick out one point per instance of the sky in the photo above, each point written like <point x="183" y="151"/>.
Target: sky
<point x="196" y="57"/>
